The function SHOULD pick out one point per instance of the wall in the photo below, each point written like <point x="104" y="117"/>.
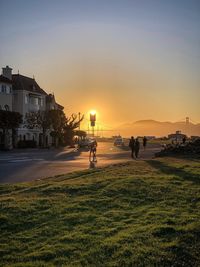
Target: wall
<point x="6" y="97"/>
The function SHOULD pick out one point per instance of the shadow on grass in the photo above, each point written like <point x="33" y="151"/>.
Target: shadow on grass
<point x="193" y="158"/>
<point x="164" y="168"/>
<point x="190" y="157"/>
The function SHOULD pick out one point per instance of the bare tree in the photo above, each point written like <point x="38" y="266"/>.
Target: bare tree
<point x="9" y="120"/>
<point x="39" y="120"/>
<point x="62" y="127"/>
<point x="72" y="123"/>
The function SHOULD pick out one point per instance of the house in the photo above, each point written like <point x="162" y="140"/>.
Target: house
<point x="51" y="103"/>
<point x="6" y="103"/>
<point x="23" y="94"/>
<point x="6" y="89"/>
<point x="177" y="137"/>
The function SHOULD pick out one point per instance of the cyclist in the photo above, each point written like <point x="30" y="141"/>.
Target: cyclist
<point x="93" y="150"/>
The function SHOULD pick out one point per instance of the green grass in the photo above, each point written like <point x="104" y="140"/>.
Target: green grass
<point x="141" y="213"/>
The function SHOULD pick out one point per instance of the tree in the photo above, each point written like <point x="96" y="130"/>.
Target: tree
<point x="9" y="120"/>
<point x="62" y="127"/>
<point x="39" y="120"/>
<point x="58" y="120"/>
<point x="72" y="123"/>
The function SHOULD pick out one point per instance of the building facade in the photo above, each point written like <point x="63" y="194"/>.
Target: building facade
<point x="23" y="94"/>
<point x="28" y="97"/>
<point x="6" y="103"/>
<point x="6" y="89"/>
<point x="177" y="137"/>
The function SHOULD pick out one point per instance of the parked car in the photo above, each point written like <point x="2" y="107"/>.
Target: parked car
<point x="119" y="141"/>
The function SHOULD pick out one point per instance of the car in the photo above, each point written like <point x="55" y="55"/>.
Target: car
<point x="119" y="141"/>
<point x="85" y="143"/>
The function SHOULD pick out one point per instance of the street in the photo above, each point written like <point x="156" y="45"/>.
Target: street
<point x="30" y="164"/>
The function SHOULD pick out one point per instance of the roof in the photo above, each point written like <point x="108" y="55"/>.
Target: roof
<point x="176" y="135"/>
<point x="50" y="98"/>
<point x="21" y="82"/>
<point x="5" y="80"/>
<point x="59" y="106"/>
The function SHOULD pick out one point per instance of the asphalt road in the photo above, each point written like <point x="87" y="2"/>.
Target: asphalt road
<point x="31" y="164"/>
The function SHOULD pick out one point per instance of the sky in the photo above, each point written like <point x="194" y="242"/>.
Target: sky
<point x="128" y="59"/>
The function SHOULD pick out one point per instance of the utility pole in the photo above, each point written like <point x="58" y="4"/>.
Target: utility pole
<point x="79" y="117"/>
<point x="187" y="122"/>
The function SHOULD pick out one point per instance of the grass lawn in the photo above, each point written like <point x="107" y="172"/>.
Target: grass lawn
<point x="141" y="213"/>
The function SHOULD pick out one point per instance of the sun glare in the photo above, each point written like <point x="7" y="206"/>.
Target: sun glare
<point x="93" y="112"/>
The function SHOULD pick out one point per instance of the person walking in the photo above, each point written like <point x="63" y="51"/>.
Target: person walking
<point x="144" y="142"/>
<point x="132" y="146"/>
<point x="184" y="140"/>
<point x="137" y="147"/>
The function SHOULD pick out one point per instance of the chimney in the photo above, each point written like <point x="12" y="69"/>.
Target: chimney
<point x="7" y="72"/>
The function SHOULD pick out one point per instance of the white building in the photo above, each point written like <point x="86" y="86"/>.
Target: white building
<point x="22" y="94"/>
<point x="28" y="97"/>
<point x="177" y="137"/>
<point x="6" y="103"/>
<point x="6" y="89"/>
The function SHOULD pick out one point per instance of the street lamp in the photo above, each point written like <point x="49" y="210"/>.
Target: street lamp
<point x="92" y="120"/>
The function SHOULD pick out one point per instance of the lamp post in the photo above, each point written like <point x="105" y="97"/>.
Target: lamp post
<point x="92" y="121"/>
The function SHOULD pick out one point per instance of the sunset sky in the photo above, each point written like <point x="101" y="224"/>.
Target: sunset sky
<point x="127" y="59"/>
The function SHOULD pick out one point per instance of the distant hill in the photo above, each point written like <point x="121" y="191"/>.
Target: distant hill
<point x="157" y="128"/>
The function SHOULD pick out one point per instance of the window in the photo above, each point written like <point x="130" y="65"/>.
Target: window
<point x="3" y="88"/>
<point x="26" y="99"/>
<point x="40" y="102"/>
<point x="8" y="90"/>
<point x="34" y="100"/>
<point x="7" y="108"/>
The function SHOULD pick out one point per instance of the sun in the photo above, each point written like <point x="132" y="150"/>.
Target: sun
<point x="93" y="112"/>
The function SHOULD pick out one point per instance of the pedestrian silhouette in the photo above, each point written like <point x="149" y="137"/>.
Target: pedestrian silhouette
<point x="93" y="151"/>
<point x="137" y="147"/>
<point x="184" y="140"/>
<point x="144" y="142"/>
<point x="132" y="146"/>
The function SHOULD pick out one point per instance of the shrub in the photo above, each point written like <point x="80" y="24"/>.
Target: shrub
<point x="27" y="144"/>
